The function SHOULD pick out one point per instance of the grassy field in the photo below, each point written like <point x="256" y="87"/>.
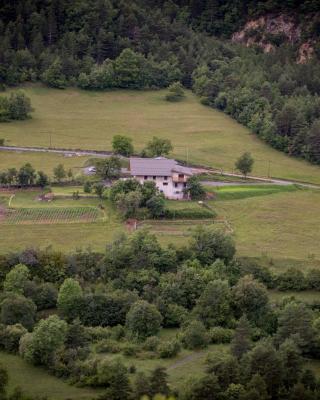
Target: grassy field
<point x="40" y="161"/>
<point x="88" y="120"/>
<point x="37" y="382"/>
<point x="281" y="227"/>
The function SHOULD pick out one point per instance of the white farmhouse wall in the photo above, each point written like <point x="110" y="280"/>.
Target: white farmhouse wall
<point x="171" y="190"/>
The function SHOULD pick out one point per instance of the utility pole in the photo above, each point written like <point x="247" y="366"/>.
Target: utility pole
<point x="269" y="166"/>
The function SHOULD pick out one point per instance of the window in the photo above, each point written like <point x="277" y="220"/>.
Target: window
<point x="145" y="178"/>
<point x="175" y="185"/>
<point x="165" y="183"/>
<point x="165" y="178"/>
<point x="185" y="184"/>
<point x="154" y="178"/>
<point x="181" y="176"/>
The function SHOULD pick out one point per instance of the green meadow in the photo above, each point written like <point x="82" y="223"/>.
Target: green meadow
<point x="73" y="118"/>
<point x="275" y="223"/>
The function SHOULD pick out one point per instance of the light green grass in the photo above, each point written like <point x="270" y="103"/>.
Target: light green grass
<point x="245" y="191"/>
<point x="88" y="120"/>
<point x="40" y="161"/>
<point x="278" y="226"/>
<point x="38" y="383"/>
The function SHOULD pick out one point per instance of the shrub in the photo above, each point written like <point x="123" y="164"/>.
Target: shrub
<point x="10" y="337"/>
<point x="130" y="349"/>
<point x="218" y="335"/>
<point x="18" y="310"/>
<point x="97" y="333"/>
<point x="108" y="346"/>
<point x="313" y="279"/>
<point x="195" y="336"/>
<point x="176" y="92"/>
<point x="151" y="343"/>
<point x="174" y="315"/>
<point x="143" y="320"/>
<point x="190" y="213"/>
<point x="292" y="279"/>
<point x="169" y="349"/>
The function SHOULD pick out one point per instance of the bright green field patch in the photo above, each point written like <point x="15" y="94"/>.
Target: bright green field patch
<point x="88" y="120"/>
<point x="54" y="215"/>
<point x="245" y="191"/>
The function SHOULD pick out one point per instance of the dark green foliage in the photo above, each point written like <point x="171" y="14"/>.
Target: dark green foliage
<point x="195" y="336"/>
<point x="295" y="321"/>
<point x="214" y="305"/>
<point x="245" y="163"/>
<point x="105" y="309"/>
<point x="122" y="145"/>
<point x="189" y="213"/>
<point x="194" y="189"/>
<point x="292" y="279"/>
<point x="251" y="298"/>
<point x="209" y="244"/>
<point x="108" y="168"/>
<point x="241" y="342"/>
<point x="158" y="147"/>
<point x="10" y="336"/>
<point x="16" y="309"/>
<point x="143" y="320"/>
<point x="15" y="107"/>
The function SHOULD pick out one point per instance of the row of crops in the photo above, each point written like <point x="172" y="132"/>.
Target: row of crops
<point x="54" y="215"/>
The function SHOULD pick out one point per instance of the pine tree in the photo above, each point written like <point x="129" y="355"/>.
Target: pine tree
<point x="241" y="342"/>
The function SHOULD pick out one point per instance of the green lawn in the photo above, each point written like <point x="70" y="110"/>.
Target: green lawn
<point x="88" y="120"/>
<point x="38" y="383"/>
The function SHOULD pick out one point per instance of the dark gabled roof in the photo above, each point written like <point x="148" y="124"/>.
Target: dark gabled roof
<point x="159" y="166"/>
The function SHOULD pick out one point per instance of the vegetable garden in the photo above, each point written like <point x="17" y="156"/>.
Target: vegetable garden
<point x="52" y="215"/>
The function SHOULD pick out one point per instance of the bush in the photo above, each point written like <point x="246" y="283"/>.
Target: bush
<point x="174" y="315"/>
<point x="108" y="346"/>
<point x="97" y="333"/>
<point x="292" y="279"/>
<point x="195" y="336"/>
<point x="10" y="337"/>
<point x="313" y="279"/>
<point x="129" y="349"/>
<point x="143" y="320"/>
<point x="219" y="335"/>
<point x="169" y="349"/>
<point x="18" y="310"/>
<point x="151" y="343"/>
<point x="190" y="213"/>
<point x="176" y="92"/>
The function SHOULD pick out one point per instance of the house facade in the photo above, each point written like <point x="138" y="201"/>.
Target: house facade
<point x="169" y="177"/>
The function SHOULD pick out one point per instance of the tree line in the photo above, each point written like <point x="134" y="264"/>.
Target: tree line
<point x="28" y="176"/>
<point x="116" y="302"/>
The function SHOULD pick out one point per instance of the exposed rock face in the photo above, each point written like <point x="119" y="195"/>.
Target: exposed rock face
<point x="270" y="30"/>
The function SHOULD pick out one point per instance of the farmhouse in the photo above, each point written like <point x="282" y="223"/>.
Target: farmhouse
<point x="169" y="177"/>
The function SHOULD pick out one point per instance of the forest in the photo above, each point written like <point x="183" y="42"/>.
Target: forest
<point x="115" y="303"/>
<point x="115" y="44"/>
